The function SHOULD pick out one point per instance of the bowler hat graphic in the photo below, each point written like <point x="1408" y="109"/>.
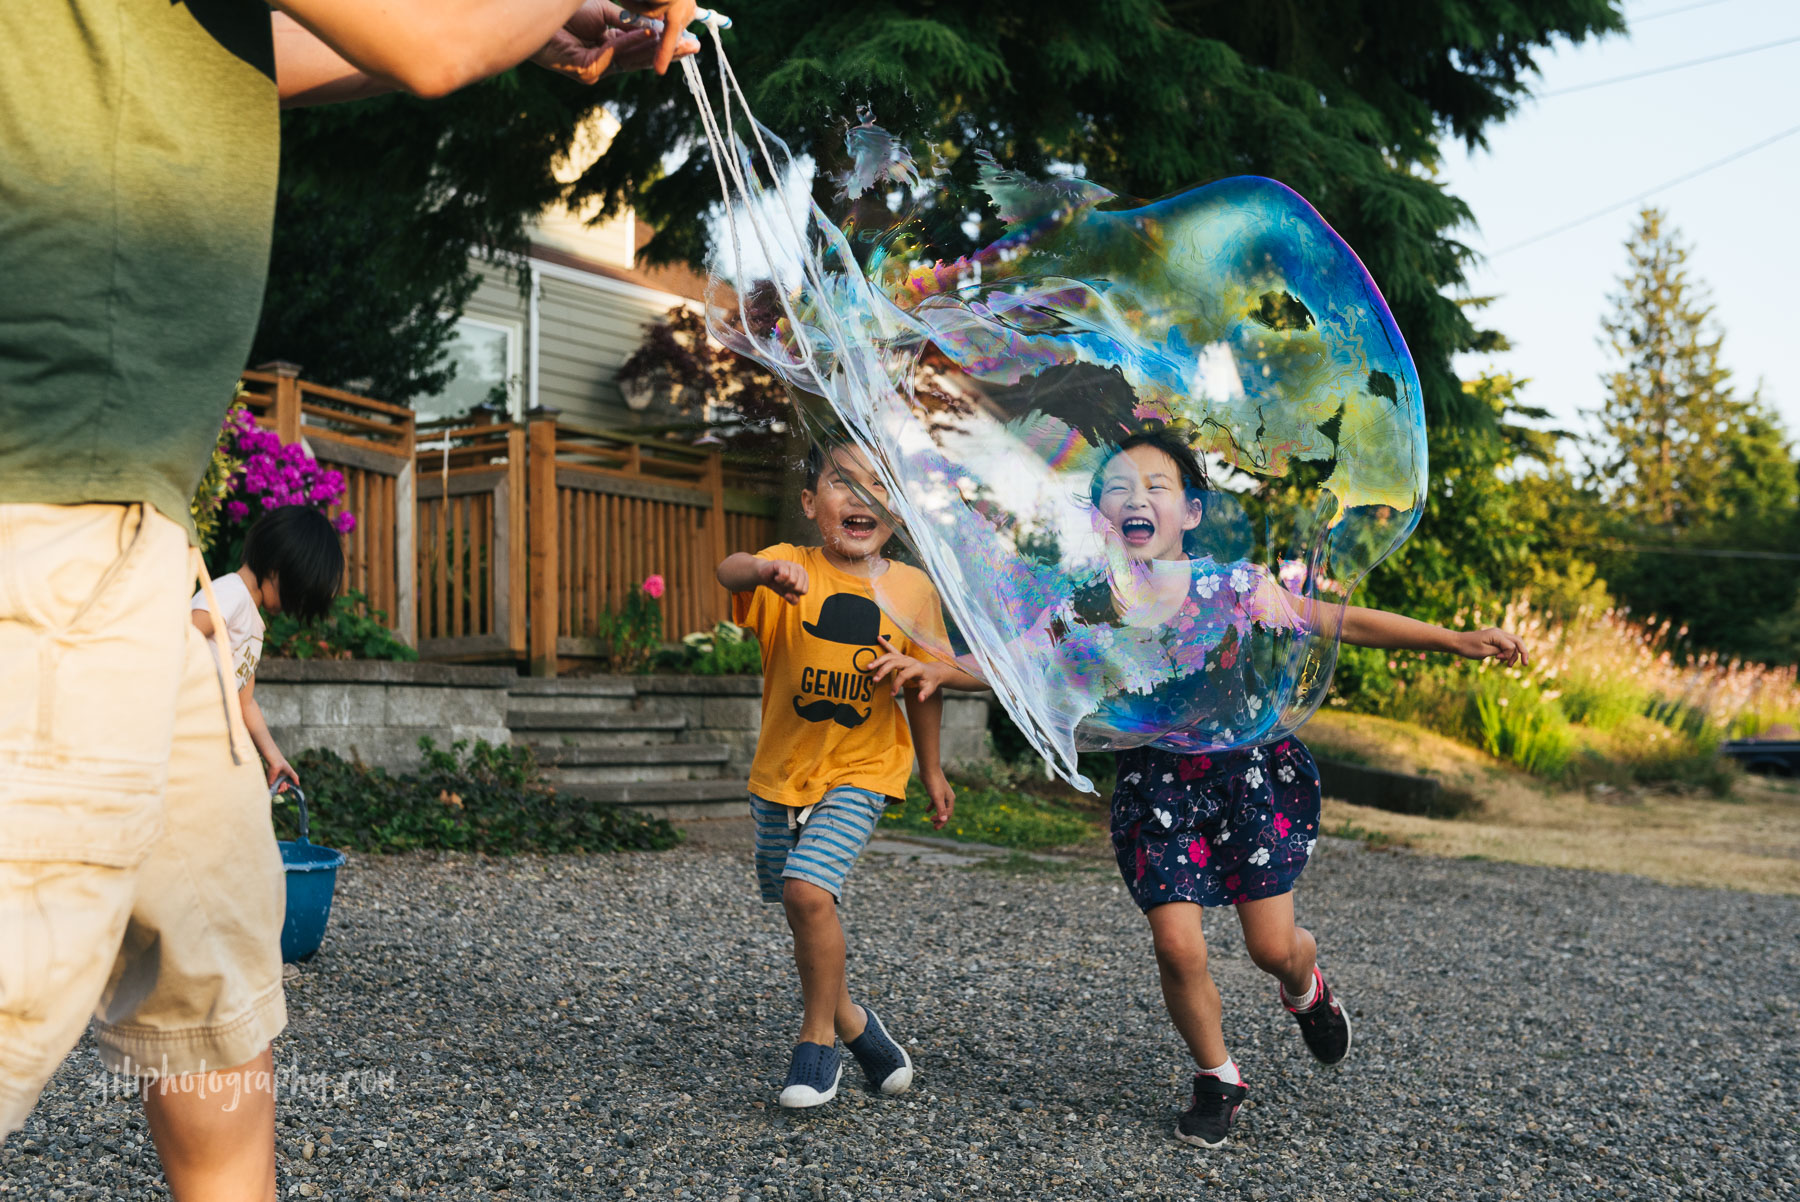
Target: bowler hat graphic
<point x="847" y="618"/>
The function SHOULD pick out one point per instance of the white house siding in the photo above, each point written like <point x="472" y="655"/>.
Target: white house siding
<point x="588" y="325"/>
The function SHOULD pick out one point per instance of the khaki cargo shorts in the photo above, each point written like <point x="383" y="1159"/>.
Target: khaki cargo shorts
<point x="140" y="883"/>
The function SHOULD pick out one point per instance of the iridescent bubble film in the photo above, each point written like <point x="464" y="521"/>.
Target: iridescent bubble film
<point x="1145" y="449"/>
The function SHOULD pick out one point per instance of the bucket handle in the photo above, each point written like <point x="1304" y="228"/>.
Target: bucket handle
<point x="293" y="791"/>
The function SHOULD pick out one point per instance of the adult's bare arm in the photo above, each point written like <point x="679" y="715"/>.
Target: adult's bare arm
<point x="433" y="47"/>
<point x="307" y="71"/>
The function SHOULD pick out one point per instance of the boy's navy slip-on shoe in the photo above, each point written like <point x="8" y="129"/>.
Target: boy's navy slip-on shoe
<point x="813" y="1076"/>
<point x="883" y="1061"/>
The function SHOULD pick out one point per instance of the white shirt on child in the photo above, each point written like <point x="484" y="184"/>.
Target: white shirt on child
<point x="243" y="623"/>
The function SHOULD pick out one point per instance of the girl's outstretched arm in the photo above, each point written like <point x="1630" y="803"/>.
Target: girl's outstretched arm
<point x="1364" y="627"/>
<point x="1395" y="632"/>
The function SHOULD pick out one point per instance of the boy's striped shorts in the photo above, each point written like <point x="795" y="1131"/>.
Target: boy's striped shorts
<point x="819" y="851"/>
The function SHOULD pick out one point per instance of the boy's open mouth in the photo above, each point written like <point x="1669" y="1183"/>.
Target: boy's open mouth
<point x="859" y="525"/>
<point x="1137" y="532"/>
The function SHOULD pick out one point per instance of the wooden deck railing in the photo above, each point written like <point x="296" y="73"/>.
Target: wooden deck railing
<point x="487" y="540"/>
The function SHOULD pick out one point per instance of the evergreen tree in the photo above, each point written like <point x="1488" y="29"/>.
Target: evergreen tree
<point x="382" y="203"/>
<point x="1669" y="403"/>
<point x="1697" y="484"/>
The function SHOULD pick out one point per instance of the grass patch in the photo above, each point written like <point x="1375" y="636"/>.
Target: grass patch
<point x="987" y="813"/>
<point x="1374" y="839"/>
<point x="1020" y="864"/>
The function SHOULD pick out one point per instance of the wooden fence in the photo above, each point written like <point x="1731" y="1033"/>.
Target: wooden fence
<point x="626" y="510"/>
<point x="500" y="540"/>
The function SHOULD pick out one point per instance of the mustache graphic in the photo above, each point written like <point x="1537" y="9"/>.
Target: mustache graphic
<point x="829" y="711"/>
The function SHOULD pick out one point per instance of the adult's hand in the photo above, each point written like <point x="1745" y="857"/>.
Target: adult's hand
<point x="675" y="16"/>
<point x="590" y="46"/>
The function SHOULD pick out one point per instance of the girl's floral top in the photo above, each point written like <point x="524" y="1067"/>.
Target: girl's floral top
<point x="1202" y="678"/>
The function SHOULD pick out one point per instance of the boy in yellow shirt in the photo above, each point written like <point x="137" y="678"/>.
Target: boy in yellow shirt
<point x="833" y="749"/>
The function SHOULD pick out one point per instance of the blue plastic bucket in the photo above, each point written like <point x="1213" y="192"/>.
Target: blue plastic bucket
<point x="311" y="879"/>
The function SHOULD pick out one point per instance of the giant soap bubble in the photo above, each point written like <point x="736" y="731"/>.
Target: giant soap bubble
<point x="1145" y="450"/>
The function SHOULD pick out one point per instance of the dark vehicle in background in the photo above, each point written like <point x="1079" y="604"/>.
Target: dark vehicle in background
<point x="1771" y="757"/>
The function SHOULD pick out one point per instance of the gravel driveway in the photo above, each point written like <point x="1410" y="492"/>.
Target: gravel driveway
<point x="619" y="1026"/>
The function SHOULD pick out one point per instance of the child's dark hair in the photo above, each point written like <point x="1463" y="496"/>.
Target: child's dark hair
<point x="1193" y="472"/>
<point x="815" y="466"/>
<point x="297" y="546"/>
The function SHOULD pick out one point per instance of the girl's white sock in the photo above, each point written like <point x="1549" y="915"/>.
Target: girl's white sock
<point x="1227" y="1072"/>
<point x="1306" y="1002"/>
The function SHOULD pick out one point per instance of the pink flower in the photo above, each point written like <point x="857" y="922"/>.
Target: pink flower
<point x="1198" y="851"/>
<point x="1143" y="863"/>
<point x="1191" y="766"/>
<point x="1282" y="825"/>
<point x="344" y="522"/>
<point x="654" y="586"/>
<point x="237" y="511"/>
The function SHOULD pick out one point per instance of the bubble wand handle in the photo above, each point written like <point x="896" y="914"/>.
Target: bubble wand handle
<point x="702" y="16"/>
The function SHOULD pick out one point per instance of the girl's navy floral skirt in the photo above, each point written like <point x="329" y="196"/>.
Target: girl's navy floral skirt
<point x="1217" y="828"/>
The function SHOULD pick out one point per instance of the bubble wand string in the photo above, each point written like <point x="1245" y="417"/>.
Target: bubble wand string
<point x="734" y="164"/>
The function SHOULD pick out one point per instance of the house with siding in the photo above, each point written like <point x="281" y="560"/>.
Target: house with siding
<point x="555" y="330"/>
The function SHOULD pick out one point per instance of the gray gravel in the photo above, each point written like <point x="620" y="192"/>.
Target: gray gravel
<point x="618" y="1027"/>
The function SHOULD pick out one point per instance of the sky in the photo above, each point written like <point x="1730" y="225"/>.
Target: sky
<point x="1562" y="157"/>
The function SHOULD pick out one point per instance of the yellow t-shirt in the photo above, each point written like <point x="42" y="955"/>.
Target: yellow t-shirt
<point x="825" y="723"/>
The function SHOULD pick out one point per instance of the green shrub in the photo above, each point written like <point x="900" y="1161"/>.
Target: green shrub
<point x="484" y="798"/>
<point x="1517" y="724"/>
<point x="1602" y="702"/>
<point x="352" y="630"/>
<point x="725" y="650"/>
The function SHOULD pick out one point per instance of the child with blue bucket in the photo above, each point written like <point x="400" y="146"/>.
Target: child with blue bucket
<point x="293" y="564"/>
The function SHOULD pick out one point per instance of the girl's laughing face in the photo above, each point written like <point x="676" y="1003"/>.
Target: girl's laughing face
<point x="1145" y="503"/>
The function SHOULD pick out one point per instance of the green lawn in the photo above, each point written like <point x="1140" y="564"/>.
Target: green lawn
<point x="1004" y="817"/>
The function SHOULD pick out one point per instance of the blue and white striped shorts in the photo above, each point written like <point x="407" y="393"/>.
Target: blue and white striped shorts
<point x="822" y="850"/>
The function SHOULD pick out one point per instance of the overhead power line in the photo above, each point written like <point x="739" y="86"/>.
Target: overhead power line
<point x="1566" y="226"/>
<point x="1692" y="62"/>
<point x="1706" y="552"/>
<point x="1670" y="12"/>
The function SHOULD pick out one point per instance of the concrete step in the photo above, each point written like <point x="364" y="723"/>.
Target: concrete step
<point x="564" y="766"/>
<point x="542" y="741"/>
<point x="673" y="799"/>
<point x="563" y="686"/>
<point x="647" y="720"/>
<point x="571" y="703"/>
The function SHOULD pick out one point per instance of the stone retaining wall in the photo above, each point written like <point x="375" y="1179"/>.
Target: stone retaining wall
<point x="377" y="709"/>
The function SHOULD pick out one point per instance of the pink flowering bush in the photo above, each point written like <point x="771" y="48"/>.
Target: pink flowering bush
<point x="266" y="475"/>
<point x="634" y="631"/>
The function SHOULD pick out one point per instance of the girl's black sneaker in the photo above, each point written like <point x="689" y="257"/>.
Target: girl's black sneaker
<point x="1207" y="1120"/>
<point x="1323" y="1025"/>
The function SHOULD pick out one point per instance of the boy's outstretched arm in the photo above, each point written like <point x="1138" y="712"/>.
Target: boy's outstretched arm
<point x="1394" y="632"/>
<point x="745" y="573"/>
<point x="926" y="718"/>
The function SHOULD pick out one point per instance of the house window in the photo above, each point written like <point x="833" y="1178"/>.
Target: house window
<point x="486" y="355"/>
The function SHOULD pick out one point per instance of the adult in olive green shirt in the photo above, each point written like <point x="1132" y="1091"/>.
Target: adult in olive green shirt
<point x="138" y="152"/>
